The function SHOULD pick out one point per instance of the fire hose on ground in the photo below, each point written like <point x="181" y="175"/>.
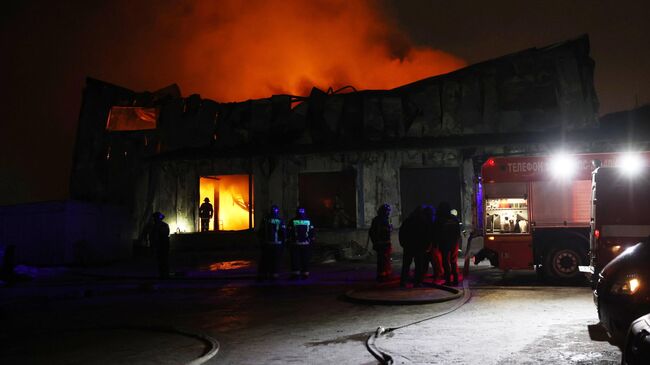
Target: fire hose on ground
<point x="385" y="358"/>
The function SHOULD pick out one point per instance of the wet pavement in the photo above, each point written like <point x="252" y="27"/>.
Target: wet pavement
<point x="118" y="345"/>
<point x="114" y="314"/>
<point x="392" y="293"/>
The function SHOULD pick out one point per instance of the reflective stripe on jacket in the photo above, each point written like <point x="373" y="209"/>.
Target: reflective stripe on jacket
<point x="302" y="232"/>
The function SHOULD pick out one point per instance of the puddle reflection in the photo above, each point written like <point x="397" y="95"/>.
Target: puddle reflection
<point x="230" y="265"/>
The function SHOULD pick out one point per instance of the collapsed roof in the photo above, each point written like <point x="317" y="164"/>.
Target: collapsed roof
<point x="529" y="93"/>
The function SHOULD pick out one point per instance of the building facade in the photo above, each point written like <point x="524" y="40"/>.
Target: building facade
<point x="340" y="154"/>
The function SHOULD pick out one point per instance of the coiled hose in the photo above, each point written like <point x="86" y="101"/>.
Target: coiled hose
<point x="383" y="357"/>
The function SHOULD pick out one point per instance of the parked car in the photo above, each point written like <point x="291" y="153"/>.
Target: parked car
<point x="623" y="290"/>
<point x="637" y="345"/>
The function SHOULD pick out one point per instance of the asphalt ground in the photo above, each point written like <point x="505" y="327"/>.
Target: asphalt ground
<point x="123" y="313"/>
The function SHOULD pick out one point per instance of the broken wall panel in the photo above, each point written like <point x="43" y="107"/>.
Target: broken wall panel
<point x="319" y="130"/>
<point x="233" y="125"/>
<point x="373" y="121"/>
<point x="281" y="109"/>
<point x="186" y="209"/>
<point x="172" y="131"/>
<point x="87" y="176"/>
<point x="121" y="118"/>
<point x="205" y="131"/>
<point x="392" y="115"/>
<point x="490" y="102"/>
<point x="261" y="114"/>
<point x="352" y="119"/>
<point x="298" y="130"/>
<point x="424" y="107"/>
<point x="470" y="108"/>
<point x="332" y="114"/>
<point x="451" y="102"/>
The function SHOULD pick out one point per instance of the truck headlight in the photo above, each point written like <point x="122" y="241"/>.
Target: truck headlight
<point x="631" y="163"/>
<point x="563" y="165"/>
<point x="628" y="286"/>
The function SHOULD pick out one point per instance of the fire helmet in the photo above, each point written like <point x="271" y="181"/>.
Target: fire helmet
<point x="275" y="211"/>
<point x="300" y="211"/>
<point x="384" y="209"/>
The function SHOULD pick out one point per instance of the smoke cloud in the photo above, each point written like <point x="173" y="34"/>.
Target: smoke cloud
<point x="235" y="50"/>
<point x="229" y="50"/>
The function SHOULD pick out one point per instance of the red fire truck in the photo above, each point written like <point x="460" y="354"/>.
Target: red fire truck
<point x="620" y="212"/>
<point x="536" y="211"/>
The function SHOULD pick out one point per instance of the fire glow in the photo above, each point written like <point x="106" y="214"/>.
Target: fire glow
<point x="230" y="265"/>
<point x="229" y="196"/>
<point x="235" y="50"/>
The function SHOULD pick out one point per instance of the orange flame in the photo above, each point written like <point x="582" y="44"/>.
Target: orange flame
<point x="231" y="194"/>
<point x="233" y="202"/>
<point x="239" y="49"/>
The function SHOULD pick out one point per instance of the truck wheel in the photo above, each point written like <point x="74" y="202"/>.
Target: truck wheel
<point x="562" y="263"/>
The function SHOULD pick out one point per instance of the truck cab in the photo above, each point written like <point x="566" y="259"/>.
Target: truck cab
<point x="619" y="213"/>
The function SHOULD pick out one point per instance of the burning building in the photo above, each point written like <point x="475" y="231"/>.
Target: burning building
<point x="339" y="153"/>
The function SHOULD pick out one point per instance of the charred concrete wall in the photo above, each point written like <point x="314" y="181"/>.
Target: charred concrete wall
<point x="174" y="184"/>
<point x="519" y="103"/>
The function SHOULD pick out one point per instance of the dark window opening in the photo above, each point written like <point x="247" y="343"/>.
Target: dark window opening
<point x="329" y="198"/>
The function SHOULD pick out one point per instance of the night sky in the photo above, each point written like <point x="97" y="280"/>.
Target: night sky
<point x="47" y="49"/>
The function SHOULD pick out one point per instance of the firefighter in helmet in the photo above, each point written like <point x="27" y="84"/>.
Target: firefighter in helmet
<point x="433" y="256"/>
<point x="205" y="213"/>
<point x="447" y="237"/>
<point x="380" y="230"/>
<point x="159" y="238"/>
<point x="273" y="235"/>
<point x="301" y="237"/>
<point x="415" y="237"/>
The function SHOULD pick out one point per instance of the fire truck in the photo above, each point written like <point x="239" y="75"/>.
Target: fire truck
<point x="536" y="211"/>
<point x="619" y="213"/>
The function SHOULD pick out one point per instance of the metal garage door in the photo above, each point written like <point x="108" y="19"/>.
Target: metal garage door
<point x="429" y="186"/>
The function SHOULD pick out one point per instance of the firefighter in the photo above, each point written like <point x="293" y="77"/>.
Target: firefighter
<point x="301" y="237"/>
<point x="429" y="249"/>
<point x="273" y="235"/>
<point x="159" y="239"/>
<point x="415" y="236"/>
<point x="433" y="255"/>
<point x="447" y="237"/>
<point x="380" y="230"/>
<point x="205" y="213"/>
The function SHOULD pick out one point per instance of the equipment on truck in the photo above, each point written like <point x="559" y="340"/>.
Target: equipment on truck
<point x="536" y="211"/>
